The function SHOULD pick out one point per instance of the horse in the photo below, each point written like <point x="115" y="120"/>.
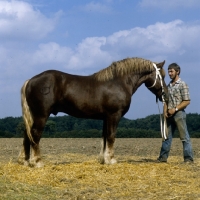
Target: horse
<point x="104" y="95"/>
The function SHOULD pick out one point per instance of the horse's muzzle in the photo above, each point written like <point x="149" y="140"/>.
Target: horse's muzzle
<point x="163" y="97"/>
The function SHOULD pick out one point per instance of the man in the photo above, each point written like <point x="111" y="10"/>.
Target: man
<point x="179" y="99"/>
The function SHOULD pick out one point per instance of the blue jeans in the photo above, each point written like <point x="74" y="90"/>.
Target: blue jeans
<point x="178" y="120"/>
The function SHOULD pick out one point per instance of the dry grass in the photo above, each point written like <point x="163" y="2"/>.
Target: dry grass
<point x="80" y="176"/>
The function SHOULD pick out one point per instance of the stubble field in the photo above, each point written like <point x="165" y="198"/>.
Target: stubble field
<point x="72" y="171"/>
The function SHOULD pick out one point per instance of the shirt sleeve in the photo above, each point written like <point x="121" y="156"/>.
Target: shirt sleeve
<point x="185" y="92"/>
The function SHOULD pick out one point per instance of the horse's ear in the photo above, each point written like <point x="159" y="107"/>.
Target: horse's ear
<point x="160" y="65"/>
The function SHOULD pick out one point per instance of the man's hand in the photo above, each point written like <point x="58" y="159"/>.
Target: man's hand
<point x="171" y="112"/>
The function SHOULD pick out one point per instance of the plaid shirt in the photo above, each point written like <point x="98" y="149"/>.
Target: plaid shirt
<point x="177" y="93"/>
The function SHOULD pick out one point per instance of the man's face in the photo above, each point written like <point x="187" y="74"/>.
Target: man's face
<point x="172" y="73"/>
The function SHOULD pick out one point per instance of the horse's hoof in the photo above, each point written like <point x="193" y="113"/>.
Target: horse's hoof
<point x="110" y="161"/>
<point x="113" y="161"/>
<point x="101" y="160"/>
<point x="23" y="162"/>
<point x="39" y="165"/>
<point x="36" y="165"/>
<point x="26" y="163"/>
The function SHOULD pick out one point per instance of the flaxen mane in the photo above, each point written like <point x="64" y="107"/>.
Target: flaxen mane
<point x="123" y="67"/>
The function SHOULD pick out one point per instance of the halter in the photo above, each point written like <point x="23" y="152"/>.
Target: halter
<point x="158" y="75"/>
<point x="162" y="124"/>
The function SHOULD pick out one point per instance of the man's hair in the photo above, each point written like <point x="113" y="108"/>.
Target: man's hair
<point x="175" y="66"/>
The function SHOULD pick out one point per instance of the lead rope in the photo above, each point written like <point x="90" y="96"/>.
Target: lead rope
<point x="163" y="123"/>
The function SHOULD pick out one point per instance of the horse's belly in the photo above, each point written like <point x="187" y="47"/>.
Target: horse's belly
<point x="81" y="111"/>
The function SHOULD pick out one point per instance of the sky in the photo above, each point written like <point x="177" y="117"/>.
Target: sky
<point x="83" y="37"/>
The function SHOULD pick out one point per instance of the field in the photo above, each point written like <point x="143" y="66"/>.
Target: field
<point x="72" y="171"/>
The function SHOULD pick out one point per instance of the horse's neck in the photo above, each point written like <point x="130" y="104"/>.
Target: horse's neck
<point x="135" y="81"/>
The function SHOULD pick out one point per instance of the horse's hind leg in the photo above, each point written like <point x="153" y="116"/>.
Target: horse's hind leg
<point x="35" y="155"/>
<point x="36" y="131"/>
<point x="24" y="155"/>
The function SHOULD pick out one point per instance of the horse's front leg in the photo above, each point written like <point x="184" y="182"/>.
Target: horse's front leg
<point x="107" y="149"/>
<point x="103" y="143"/>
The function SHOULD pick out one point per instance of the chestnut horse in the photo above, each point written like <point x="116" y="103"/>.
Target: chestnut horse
<point x="105" y="95"/>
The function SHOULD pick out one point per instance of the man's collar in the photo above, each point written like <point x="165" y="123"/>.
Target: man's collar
<point x="178" y="81"/>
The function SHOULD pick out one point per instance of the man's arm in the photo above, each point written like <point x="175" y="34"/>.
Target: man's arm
<point x="183" y="105"/>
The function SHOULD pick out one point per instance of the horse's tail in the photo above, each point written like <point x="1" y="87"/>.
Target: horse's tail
<point x="27" y="116"/>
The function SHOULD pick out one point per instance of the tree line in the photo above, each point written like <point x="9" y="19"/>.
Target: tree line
<point x="71" y="127"/>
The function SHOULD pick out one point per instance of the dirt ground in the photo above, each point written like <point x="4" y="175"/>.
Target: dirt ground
<point x="73" y="172"/>
<point x="143" y="147"/>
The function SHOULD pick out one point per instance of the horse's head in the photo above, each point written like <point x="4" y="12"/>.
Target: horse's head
<point x="156" y="83"/>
